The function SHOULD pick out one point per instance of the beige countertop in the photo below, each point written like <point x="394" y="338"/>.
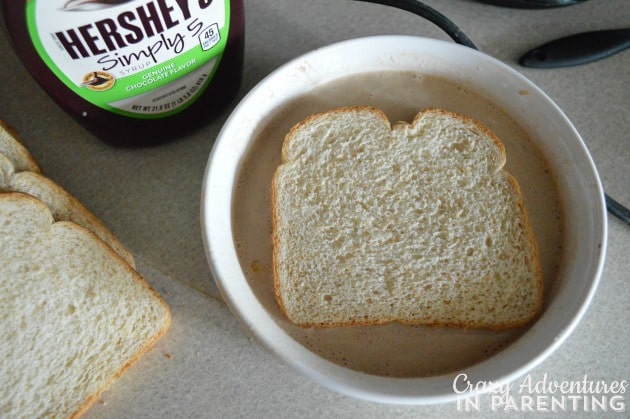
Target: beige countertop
<point x="206" y="366"/>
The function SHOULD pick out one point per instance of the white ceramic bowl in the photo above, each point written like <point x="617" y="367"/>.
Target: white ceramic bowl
<point x="578" y="182"/>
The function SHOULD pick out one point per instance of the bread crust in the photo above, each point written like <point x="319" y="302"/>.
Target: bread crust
<point x="499" y="165"/>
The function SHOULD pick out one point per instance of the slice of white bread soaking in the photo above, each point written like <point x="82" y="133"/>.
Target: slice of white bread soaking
<point x="74" y="315"/>
<point x="416" y="223"/>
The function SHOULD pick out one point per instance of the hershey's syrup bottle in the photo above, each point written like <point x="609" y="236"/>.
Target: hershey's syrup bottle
<point x="134" y="72"/>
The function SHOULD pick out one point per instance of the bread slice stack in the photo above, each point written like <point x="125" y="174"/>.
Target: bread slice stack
<point x="19" y="172"/>
<point x="415" y="223"/>
<point x="74" y="313"/>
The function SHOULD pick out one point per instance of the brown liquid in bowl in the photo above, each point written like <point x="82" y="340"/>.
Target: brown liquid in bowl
<point x="394" y="349"/>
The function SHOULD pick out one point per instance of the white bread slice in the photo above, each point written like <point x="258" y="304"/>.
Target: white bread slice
<point x="73" y="314"/>
<point x="416" y="223"/>
<point x="11" y="146"/>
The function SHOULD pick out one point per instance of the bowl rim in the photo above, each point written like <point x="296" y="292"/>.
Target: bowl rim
<point x="228" y="152"/>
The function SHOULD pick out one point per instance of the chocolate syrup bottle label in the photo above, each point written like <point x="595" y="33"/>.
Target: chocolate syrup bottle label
<point x="140" y="58"/>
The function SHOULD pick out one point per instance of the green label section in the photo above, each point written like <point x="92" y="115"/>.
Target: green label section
<point x="161" y="74"/>
<point x="144" y="82"/>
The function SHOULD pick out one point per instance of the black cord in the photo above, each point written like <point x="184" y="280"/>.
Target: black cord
<point x="532" y="4"/>
<point x="618" y="210"/>
<point x="430" y="14"/>
<point x="422" y="10"/>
